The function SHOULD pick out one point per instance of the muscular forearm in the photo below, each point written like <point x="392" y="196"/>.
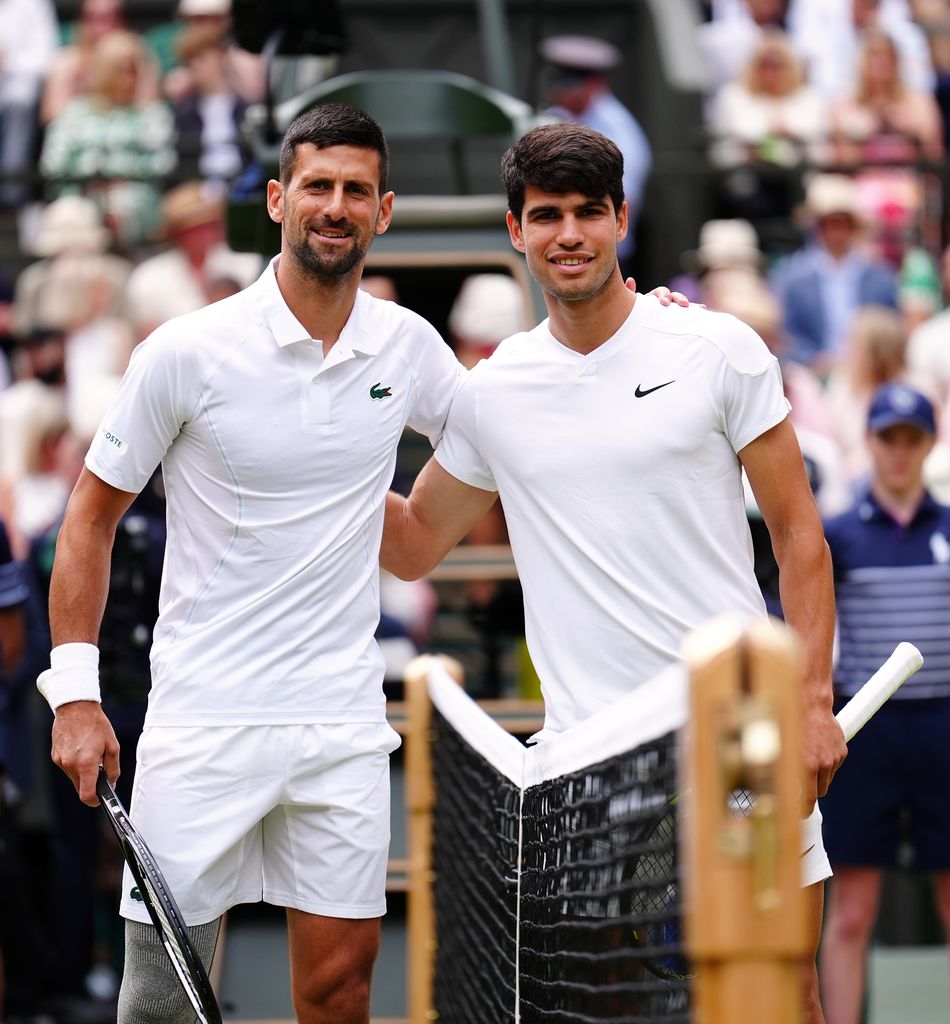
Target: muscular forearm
<point x="405" y="550"/>
<point x="419" y="531"/>
<point x="807" y="592"/>
<point x="80" y="580"/>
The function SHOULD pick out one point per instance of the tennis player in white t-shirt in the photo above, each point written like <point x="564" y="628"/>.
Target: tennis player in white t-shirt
<point x="615" y="434"/>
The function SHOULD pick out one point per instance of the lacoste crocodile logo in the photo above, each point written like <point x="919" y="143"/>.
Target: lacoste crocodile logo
<point x="641" y="393"/>
<point x="377" y="391"/>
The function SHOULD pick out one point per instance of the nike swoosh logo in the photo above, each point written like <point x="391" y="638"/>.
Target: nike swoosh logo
<point x="640" y="393"/>
<point x="808" y="851"/>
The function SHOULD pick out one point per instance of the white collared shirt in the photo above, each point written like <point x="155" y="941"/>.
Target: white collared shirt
<point x="276" y="463"/>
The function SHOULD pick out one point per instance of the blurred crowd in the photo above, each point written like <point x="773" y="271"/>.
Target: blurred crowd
<point x="825" y="123"/>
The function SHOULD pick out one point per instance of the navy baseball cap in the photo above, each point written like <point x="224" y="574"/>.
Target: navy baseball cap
<point x="896" y="403"/>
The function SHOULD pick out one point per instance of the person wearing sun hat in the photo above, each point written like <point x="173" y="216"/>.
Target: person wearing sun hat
<point x="182" y="279"/>
<point x="891" y="554"/>
<point x="824" y="284"/>
<point x="70" y="235"/>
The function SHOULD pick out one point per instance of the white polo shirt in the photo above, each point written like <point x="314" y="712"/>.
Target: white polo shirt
<point x="625" y="513"/>
<point x="276" y="464"/>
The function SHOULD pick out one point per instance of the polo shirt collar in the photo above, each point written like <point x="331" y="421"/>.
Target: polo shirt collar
<point x="927" y="509"/>
<point x="288" y="330"/>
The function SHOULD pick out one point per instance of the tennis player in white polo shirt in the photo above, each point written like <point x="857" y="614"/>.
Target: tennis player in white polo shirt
<point x="615" y="433"/>
<point x="263" y="767"/>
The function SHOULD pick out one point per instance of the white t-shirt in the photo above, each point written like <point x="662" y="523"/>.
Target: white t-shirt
<point x="276" y="464"/>
<point x="625" y="513"/>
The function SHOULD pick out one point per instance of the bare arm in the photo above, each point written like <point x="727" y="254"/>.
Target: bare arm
<point x="776" y="472"/>
<point x="82" y="735"/>
<point x="420" y="530"/>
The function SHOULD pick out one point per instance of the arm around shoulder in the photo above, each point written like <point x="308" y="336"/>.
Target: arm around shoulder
<point x="420" y="530"/>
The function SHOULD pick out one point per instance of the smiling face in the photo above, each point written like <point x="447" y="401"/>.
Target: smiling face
<point x="330" y="208"/>
<point x="570" y="241"/>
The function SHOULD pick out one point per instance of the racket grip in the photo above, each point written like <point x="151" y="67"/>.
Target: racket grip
<point x="902" y="664"/>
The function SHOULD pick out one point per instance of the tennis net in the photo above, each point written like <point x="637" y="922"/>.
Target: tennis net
<point x="556" y="865"/>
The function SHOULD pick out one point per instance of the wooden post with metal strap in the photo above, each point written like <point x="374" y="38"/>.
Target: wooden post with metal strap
<point x="744" y="908"/>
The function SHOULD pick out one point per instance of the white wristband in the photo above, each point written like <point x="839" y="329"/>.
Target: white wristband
<point x="73" y="675"/>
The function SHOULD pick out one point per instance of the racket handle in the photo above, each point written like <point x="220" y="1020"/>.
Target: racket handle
<point x="901" y="665"/>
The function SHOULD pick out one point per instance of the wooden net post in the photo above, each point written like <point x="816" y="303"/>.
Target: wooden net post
<point x="420" y="799"/>
<point x="745" y="911"/>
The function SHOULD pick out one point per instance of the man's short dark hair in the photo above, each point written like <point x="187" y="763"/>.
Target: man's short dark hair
<point x="334" y="124"/>
<point x="562" y="158"/>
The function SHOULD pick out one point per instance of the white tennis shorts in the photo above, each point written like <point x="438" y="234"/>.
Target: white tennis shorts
<point x="294" y="815"/>
<point x="815" y="864"/>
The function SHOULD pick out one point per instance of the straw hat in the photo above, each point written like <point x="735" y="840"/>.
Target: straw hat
<point x="71" y="224"/>
<point x="722" y="244"/>
<point x="190" y="205"/>
<point x="827" y="194"/>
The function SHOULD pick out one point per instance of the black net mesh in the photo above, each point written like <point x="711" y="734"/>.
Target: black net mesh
<point x="599" y="937"/>
<point x="476" y="887"/>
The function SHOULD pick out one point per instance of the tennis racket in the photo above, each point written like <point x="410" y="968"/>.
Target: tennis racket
<point x="657" y="900"/>
<point x="161" y="906"/>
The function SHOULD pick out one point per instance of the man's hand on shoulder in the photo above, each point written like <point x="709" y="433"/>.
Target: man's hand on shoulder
<point x="83" y="739"/>
<point x="666" y="297"/>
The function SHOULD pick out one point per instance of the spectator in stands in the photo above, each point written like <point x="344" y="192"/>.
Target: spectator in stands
<point x="728" y="41"/>
<point x="885" y="120"/>
<point x="771" y="114"/>
<point x="770" y="117"/>
<point x="822" y="286"/>
<point x="27" y="43"/>
<point x="876" y="354"/>
<point x="40" y="463"/>
<point x="72" y="66"/>
<point x="70" y="233"/>
<point x="828" y="34"/>
<point x="891" y="555"/>
<point x="107" y="133"/>
<point x="208" y="116"/>
<point x="184" y="277"/>
<point x="245" y="70"/>
<point x="580" y="91"/>
<point x="487" y="309"/>
<point x="726" y="247"/>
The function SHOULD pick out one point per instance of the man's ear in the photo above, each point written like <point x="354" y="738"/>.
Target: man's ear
<point x="275" y="201"/>
<point x="514" y="231"/>
<point x="385" y="215"/>
<point x="623" y="221"/>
